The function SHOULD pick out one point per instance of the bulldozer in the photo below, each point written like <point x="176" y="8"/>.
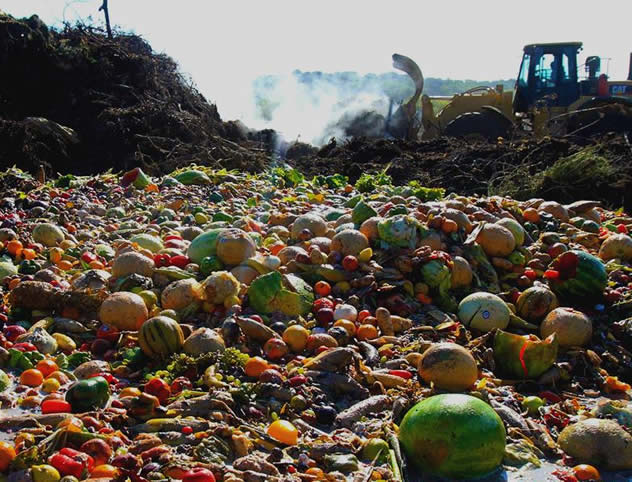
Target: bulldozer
<point x="549" y="98"/>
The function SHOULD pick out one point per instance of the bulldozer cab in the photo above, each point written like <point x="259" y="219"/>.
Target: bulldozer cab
<point x="548" y="75"/>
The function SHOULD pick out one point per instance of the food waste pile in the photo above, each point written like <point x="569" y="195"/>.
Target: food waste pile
<point x="211" y="325"/>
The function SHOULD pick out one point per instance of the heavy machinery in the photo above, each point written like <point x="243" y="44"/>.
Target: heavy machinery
<point x="549" y="99"/>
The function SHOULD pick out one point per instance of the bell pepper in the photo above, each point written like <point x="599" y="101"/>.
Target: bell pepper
<point x="86" y="395"/>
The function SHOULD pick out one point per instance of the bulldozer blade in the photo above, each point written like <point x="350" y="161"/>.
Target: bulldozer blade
<point x="402" y="123"/>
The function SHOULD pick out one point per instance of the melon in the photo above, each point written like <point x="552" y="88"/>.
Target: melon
<point x="160" y="337"/>
<point x="535" y="303"/>
<point x="448" y="366"/>
<point x="524" y="356"/>
<point x="484" y="312"/>
<point x="496" y="240"/>
<point x="582" y="276"/>
<point x="572" y="327"/>
<point x="616" y="246"/>
<point x="454" y="436"/>
<point x="123" y="311"/>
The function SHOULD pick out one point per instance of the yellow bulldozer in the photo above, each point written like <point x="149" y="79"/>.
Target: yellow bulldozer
<point x="549" y="98"/>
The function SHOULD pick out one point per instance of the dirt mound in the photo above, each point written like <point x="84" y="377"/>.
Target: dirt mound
<point x="75" y="101"/>
<point x="562" y="169"/>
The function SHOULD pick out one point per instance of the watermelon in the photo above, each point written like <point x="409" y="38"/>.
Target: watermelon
<point x="524" y="356"/>
<point x="453" y="435"/>
<point x="160" y="337"/>
<point x="582" y="276"/>
<point x="191" y="177"/>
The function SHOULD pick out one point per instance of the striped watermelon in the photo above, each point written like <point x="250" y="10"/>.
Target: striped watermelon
<point x="582" y="276"/>
<point x="160" y="337"/>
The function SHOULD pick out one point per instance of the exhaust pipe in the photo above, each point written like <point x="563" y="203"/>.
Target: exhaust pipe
<point x="630" y="68"/>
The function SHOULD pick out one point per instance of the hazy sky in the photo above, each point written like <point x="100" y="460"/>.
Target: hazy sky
<point x="223" y="45"/>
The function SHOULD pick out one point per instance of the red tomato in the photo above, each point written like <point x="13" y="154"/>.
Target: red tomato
<point x="159" y="388"/>
<point x="350" y="263"/>
<point x="180" y="261"/>
<point x="56" y="406"/>
<point x="198" y="474"/>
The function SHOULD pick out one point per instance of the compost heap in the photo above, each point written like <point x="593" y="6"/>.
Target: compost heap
<point x="270" y="327"/>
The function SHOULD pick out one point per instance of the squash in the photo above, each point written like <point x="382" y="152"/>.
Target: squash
<point x="572" y="327"/>
<point x="315" y="224"/>
<point x="461" y="272"/>
<point x="496" y="240"/>
<point x="616" y="246"/>
<point x="484" y="312"/>
<point x="132" y="262"/>
<point x="460" y="218"/>
<point x="124" y="311"/>
<point x="180" y="294"/>
<point x="220" y="286"/>
<point x="535" y="303"/>
<point x="234" y="246"/>
<point x="48" y="234"/>
<point x="349" y="242"/>
<point x="160" y="337"/>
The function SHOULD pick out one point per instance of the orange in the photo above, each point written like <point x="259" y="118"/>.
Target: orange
<point x="316" y="472"/>
<point x="71" y="228"/>
<point x="275" y="248"/>
<point x="531" y="215"/>
<point x="55" y="255"/>
<point x="46" y="367"/>
<point x="349" y="326"/>
<point x="64" y="265"/>
<point x="104" y="470"/>
<point x="586" y="472"/>
<point x="7" y="454"/>
<point x="322" y="288"/>
<point x="29" y="254"/>
<point x="449" y="226"/>
<point x="255" y="366"/>
<point x="284" y="432"/>
<point x="32" y="377"/>
<point x="367" y="332"/>
<point x="14" y="282"/>
<point x="129" y="392"/>
<point x="14" y="247"/>
<point x="96" y="264"/>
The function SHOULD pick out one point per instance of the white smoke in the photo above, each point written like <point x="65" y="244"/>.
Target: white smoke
<point x="311" y="112"/>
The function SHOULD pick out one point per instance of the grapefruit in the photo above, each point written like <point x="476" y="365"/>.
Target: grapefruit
<point x="453" y="435"/>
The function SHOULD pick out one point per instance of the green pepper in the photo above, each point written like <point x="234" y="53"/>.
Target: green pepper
<point x="90" y="394"/>
<point x="210" y="264"/>
<point x="18" y="361"/>
<point x="28" y="267"/>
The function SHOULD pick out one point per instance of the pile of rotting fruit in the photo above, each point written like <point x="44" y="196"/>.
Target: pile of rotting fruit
<point x="210" y="325"/>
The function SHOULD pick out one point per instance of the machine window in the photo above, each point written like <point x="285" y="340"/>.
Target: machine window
<point x="565" y="75"/>
<point x="546" y="72"/>
<point x="523" y="78"/>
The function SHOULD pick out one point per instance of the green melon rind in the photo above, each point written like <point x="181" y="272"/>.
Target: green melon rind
<point x="453" y="435"/>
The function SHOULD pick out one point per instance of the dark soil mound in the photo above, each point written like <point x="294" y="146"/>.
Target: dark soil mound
<point x="553" y="168"/>
<point x="75" y="101"/>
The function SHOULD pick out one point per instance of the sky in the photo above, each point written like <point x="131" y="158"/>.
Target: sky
<point x="224" y="45"/>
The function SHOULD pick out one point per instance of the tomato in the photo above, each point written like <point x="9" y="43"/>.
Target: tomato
<point x="322" y="288"/>
<point x="198" y="474"/>
<point x="321" y="303"/>
<point x="88" y="257"/>
<point x="56" y="406"/>
<point x="159" y="388"/>
<point x="350" y="263"/>
<point x="179" y="261"/>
